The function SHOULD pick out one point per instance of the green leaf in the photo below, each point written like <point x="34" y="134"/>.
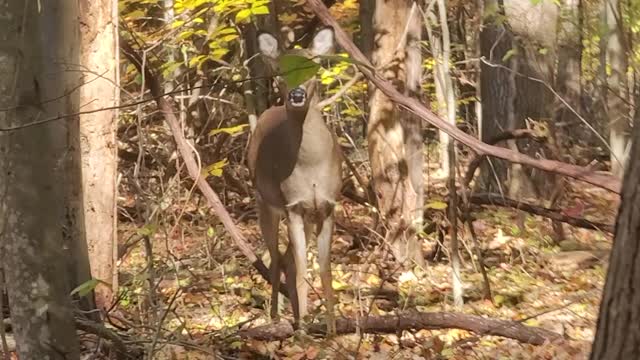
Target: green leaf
<point x="297" y="69"/>
<point x="233" y="130"/>
<point x="437" y="205"/>
<point x="85" y="288"/>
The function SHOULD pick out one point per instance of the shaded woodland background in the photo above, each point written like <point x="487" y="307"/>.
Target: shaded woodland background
<point x="129" y="216"/>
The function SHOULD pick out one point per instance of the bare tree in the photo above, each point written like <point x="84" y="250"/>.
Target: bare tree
<point x="518" y="43"/>
<point x="616" y="90"/>
<point x="390" y="163"/>
<point x="40" y="236"/>
<point x="445" y="93"/>
<point x="99" y="57"/>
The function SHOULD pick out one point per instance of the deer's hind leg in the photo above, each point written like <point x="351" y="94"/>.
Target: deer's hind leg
<point x="269" y="219"/>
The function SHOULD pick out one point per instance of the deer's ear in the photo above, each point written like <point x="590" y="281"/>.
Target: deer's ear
<point x="288" y="35"/>
<point x="323" y="42"/>
<point x="268" y="45"/>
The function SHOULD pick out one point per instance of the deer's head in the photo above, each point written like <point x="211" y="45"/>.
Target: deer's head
<point x="300" y="96"/>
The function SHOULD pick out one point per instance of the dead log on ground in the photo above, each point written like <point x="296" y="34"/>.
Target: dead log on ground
<point x="499" y="200"/>
<point x="414" y="321"/>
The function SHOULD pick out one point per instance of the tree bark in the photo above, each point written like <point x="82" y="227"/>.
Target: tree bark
<point x="365" y="15"/>
<point x="385" y="134"/>
<point x="99" y="56"/>
<point x="497" y="91"/>
<point x="616" y="92"/>
<point x="412" y="124"/>
<point x="617" y="332"/>
<point x="37" y="173"/>
<point x="568" y="77"/>
<point x="260" y="87"/>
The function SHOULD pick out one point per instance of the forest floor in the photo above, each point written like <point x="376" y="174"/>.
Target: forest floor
<point x="208" y="291"/>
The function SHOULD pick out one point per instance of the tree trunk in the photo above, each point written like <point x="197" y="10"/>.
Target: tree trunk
<point x="617" y="110"/>
<point x="260" y="87"/>
<point x="99" y="55"/>
<point x="37" y="255"/>
<point x="497" y="92"/>
<point x="412" y="124"/>
<point x="389" y="163"/>
<point x="568" y="76"/>
<point x="617" y="332"/>
<point x="509" y="95"/>
<point x="365" y="15"/>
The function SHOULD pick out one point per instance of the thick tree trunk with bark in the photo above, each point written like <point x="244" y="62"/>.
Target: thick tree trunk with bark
<point x="99" y="55"/>
<point x="365" y="17"/>
<point x="385" y="134"/>
<point x="412" y="124"/>
<point x="618" y="334"/>
<point x="568" y="76"/>
<point x="497" y="90"/>
<point x="509" y="94"/>
<point x="40" y="41"/>
<point x="258" y="90"/>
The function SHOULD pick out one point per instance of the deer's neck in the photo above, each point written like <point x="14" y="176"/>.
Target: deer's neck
<point x="298" y="116"/>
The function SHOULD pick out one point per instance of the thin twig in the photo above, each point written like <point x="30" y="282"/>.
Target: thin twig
<point x="340" y="92"/>
<point x="160" y="322"/>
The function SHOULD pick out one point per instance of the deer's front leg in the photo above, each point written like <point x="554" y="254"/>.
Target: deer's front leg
<point x="324" y="260"/>
<point x="299" y="243"/>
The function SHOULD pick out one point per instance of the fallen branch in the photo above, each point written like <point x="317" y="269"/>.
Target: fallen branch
<point x="605" y="181"/>
<point x="124" y="351"/>
<point x="499" y="200"/>
<point x="186" y="152"/>
<point x="412" y="321"/>
<point x="506" y="135"/>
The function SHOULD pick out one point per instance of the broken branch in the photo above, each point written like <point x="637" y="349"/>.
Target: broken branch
<point x="499" y="200"/>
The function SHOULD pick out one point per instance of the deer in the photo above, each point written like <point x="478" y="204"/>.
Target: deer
<point x="295" y="164"/>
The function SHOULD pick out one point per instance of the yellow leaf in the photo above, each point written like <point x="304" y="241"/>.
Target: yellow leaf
<point x="233" y="130"/>
<point x="177" y="24"/>
<point x="373" y="280"/>
<point x="437" y="205"/>
<point x="243" y="15"/>
<point x="338" y="285"/>
<point x="215" y="169"/>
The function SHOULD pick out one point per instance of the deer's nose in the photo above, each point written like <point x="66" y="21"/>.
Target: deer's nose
<point x="297" y="96"/>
